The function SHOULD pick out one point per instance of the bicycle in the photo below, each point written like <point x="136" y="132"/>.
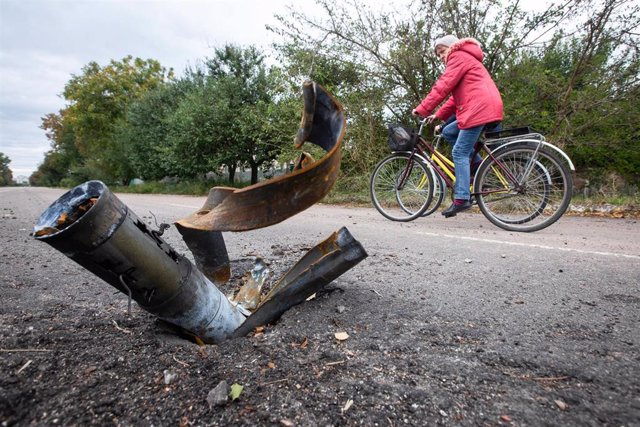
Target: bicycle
<point x="522" y="184"/>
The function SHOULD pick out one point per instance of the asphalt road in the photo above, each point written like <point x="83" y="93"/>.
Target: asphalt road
<point x="567" y="296"/>
<point x="461" y="262"/>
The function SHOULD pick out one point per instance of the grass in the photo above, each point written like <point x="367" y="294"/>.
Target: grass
<point x="348" y="190"/>
<point x="611" y="199"/>
<point x="191" y="188"/>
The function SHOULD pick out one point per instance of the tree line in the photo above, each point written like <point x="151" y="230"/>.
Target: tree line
<point x="570" y="71"/>
<point x="6" y="176"/>
<point x="133" y="118"/>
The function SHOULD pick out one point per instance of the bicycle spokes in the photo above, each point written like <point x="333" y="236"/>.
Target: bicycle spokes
<point x="523" y="189"/>
<point x="401" y="187"/>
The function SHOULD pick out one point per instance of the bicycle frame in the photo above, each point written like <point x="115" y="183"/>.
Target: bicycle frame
<point x="522" y="184"/>
<point x="444" y="167"/>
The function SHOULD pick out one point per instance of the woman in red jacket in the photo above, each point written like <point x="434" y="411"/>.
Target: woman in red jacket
<point x="474" y="103"/>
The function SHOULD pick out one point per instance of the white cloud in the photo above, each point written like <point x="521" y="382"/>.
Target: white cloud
<point x="44" y="42"/>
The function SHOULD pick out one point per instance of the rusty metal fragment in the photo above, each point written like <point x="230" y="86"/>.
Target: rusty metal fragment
<point x="317" y="268"/>
<point x="272" y="201"/>
<point x="209" y="252"/>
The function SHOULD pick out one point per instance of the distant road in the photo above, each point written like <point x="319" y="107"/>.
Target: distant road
<point x="592" y="237"/>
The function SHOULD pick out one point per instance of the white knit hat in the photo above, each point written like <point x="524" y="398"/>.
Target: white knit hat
<point x="446" y="41"/>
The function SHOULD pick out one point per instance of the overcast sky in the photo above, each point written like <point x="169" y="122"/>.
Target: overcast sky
<point x="44" y="42"/>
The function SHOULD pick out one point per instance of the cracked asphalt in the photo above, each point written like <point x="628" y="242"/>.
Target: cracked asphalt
<point x="449" y="322"/>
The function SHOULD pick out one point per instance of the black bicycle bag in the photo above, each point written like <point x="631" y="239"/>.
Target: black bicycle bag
<point x="402" y="138"/>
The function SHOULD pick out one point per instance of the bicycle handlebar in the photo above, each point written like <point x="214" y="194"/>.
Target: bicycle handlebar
<point x="422" y="121"/>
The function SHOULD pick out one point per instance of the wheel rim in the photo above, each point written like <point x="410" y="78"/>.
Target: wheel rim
<point x="540" y="198"/>
<point x="406" y="202"/>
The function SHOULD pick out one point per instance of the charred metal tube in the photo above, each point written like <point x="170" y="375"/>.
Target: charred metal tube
<point x="209" y="252"/>
<point x="317" y="268"/>
<point x="90" y="225"/>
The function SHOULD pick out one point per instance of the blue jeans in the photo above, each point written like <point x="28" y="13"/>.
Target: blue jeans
<point x="463" y="142"/>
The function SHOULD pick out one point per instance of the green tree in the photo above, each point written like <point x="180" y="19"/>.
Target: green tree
<point x="246" y="108"/>
<point x="144" y="132"/>
<point x="581" y="89"/>
<point x="6" y="177"/>
<point x="63" y="165"/>
<point x="98" y="100"/>
<point x="191" y="128"/>
<point x="236" y="113"/>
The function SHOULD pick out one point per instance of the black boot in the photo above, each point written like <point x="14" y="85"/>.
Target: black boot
<point x="454" y="209"/>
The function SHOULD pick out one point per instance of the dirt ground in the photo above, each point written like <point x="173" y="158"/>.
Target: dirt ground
<point x="71" y="355"/>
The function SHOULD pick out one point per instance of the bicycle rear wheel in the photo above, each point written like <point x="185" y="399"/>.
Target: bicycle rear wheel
<point x="537" y="198"/>
<point x="439" y="193"/>
<point x="401" y="189"/>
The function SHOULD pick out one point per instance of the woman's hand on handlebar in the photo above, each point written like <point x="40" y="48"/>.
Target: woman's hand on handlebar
<point x="429" y="119"/>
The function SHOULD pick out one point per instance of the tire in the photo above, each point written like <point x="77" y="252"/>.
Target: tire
<point x="537" y="202"/>
<point x="439" y="193"/>
<point x="397" y="199"/>
<point x="543" y="177"/>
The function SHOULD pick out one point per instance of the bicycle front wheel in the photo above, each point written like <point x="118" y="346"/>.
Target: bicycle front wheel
<point x="401" y="188"/>
<point x="524" y="189"/>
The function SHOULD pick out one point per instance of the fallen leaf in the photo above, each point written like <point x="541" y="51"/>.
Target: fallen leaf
<point x="286" y="423"/>
<point x="341" y="336"/>
<point x="560" y="404"/>
<point x="236" y="390"/>
<point x="347" y="405"/>
<point x="505" y="418"/>
<point x="303" y="344"/>
<point x="271" y="365"/>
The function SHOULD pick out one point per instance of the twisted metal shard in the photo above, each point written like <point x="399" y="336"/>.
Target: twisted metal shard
<point x="90" y="225"/>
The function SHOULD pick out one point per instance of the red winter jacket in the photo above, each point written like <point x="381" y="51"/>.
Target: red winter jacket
<point x="475" y="99"/>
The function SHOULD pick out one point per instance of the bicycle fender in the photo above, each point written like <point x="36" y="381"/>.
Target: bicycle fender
<point x="426" y="162"/>
<point x="537" y="142"/>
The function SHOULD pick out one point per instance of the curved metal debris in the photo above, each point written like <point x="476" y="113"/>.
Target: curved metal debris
<point x="93" y="227"/>
<point x="318" y="267"/>
<point x="272" y="201"/>
<point x="209" y="252"/>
